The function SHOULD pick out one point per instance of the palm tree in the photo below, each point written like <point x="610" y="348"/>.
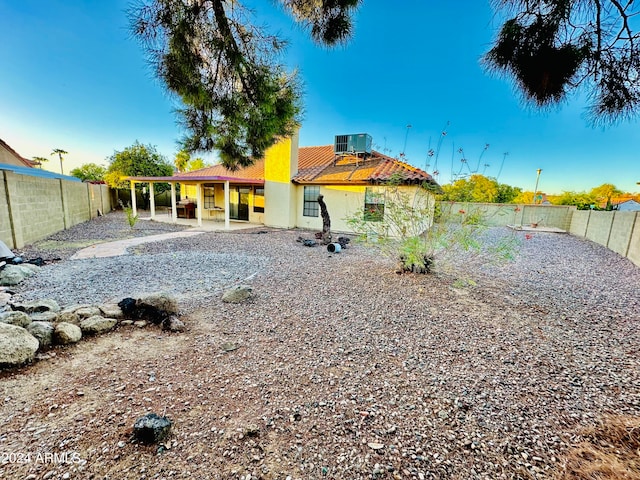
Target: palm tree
<point x="40" y="160"/>
<point x="60" y="152"/>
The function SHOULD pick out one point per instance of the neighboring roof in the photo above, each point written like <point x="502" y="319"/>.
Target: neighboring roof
<point x="25" y="161"/>
<point x="36" y="172"/>
<point x="628" y="205"/>
<point x="319" y="165"/>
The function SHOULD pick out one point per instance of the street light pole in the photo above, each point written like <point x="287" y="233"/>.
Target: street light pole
<point x="535" y="190"/>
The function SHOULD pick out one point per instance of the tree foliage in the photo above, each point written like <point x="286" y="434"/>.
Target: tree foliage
<point x="237" y="98"/>
<point x="551" y="47"/>
<point x="90" y="172"/>
<point x="184" y="163"/>
<point x="604" y="193"/>
<point x="59" y="152"/>
<point x="478" y="188"/>
<point x="137" y="161"/>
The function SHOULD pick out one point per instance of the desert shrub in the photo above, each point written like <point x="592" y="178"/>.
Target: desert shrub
<point x="409" y="232"/>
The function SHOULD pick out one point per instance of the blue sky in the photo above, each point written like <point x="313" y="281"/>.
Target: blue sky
<point x="72" y="78"/>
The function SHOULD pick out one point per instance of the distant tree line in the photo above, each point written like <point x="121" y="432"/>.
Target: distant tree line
<point x="480" y="189"/>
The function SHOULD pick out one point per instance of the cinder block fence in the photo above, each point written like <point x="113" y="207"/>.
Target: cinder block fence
<point x="618" y="231"/>
<point x="32" y="208"/>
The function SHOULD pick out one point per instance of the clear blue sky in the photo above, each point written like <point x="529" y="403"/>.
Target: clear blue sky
<point x="72" y="78"/>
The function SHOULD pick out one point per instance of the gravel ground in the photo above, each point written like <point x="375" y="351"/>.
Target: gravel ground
<point x="339" y="369"/>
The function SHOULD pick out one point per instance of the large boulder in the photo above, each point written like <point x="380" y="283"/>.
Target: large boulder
<point x="97" y="324"/>
<point x="20" y="319"/>
<point x="37" y="306"/>
<point x="14" y="274"/>
<point x="237" y="294"/>
<point x="43" y="331"/>
<point x="17" y="346"/>
<point x="65" y="333"/>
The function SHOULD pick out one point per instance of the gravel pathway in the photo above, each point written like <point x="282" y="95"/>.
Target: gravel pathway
<point x="348" y="370"/>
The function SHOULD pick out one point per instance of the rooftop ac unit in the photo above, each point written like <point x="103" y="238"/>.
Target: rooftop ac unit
<point x="355" y="143"/>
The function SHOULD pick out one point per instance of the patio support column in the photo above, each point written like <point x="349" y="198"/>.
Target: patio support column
<point x="174" y="213"/>
<point x="152" y="201"/>
<point x="134" y="208"/>
<point x="199" y="202"/>
<point x="227" y="223"/>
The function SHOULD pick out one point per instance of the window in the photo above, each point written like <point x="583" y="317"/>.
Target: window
<point x="373" y="205"/>
<point x="311" y="207"/>
<point x="209" y="197"/>
<point x="258" y="199"/>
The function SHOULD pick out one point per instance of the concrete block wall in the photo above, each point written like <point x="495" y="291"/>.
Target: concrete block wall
<point x="32" y="208"/>
<point x="6" y="232"/>
<point x="579" y="223"/>
<point x="618" y="231"/>
<point x="633" y="252"/>
<point x="502" y="214"/>
<point x="76" y="202"/>
<point x="599" y="227"/>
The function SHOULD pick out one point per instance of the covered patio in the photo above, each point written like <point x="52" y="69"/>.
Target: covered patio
<point x="232" y="213"/>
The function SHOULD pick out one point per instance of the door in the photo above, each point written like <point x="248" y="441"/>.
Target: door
<point x="239" y="203"/>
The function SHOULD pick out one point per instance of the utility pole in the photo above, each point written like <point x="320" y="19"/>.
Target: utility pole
<point x="535" y="190"/>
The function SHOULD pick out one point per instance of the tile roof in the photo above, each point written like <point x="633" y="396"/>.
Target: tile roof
<point x="25" y="161"/>
<point x="319" y="165"/>
<point x="254" y="172"/>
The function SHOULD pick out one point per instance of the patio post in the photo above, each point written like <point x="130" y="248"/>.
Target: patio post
<point x="152" y="201"/>
<point x="227" y="223"/>
<point x="174" y="213"/>
<point x="199" y="202"/>
<point x="134" y="208"/>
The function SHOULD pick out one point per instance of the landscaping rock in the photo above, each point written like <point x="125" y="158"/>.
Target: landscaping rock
<point x="65" y="333"/>
<point x="111" y="310"/>
<point x="14" y="274"/>
<point x="44" y="317"/>
<point x="86" y="312"/>
<point x="42" y="331"/>
<point x="151" y="428"/>
<point x="17" y="346"/>
<point x="19" y="319"/>
<point x="173" y="324"/>
<point x="68" y="316"/>
<point x="156" y="308"/>
<point x="128" y="307"/>
<point x="96" y="325"/>
<point x="4" y="298"/>
<point x="237" y="294"/>
<point x="35" y="306"/>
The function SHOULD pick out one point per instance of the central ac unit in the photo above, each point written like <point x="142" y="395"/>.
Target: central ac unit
<point x="354" y="143"/>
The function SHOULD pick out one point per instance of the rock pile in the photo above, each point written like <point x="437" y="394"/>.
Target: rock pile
<point x="34" y="326"/>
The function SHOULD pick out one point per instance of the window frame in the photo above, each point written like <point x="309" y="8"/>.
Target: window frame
<point x="374" y="202"/>
<point x="310" y="206"/>
<point x="258" y="208"/>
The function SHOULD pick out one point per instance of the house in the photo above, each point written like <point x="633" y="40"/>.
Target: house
<point x="8" y="156"/>
<point x="626" y="205"/>
<point x="281" y="189"/>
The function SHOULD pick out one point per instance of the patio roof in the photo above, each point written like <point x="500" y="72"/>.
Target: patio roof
<point x="198" y="179"/>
